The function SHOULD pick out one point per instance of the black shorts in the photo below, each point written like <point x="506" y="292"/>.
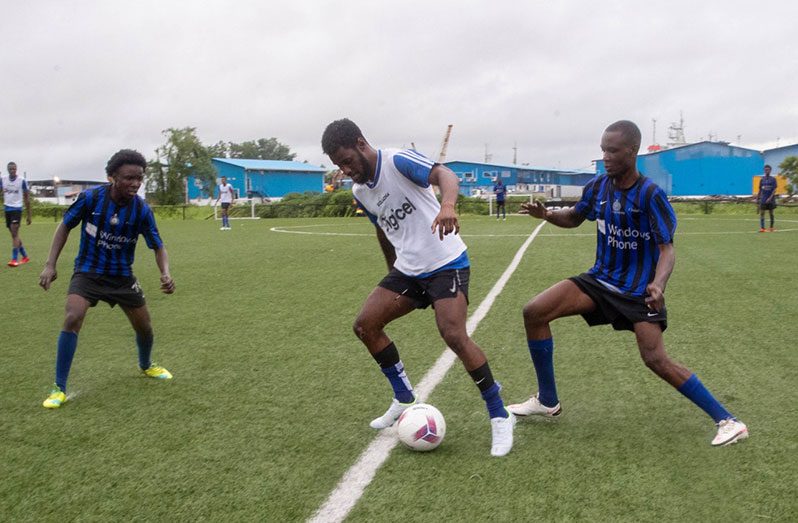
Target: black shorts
<point x="13" y="217"/>
<point x="768" y="206"/>
<point x="426" y="291"/>
<point x="225" y="205"/>
<point x="122" y="290"/>
<point x="619" y="310"/>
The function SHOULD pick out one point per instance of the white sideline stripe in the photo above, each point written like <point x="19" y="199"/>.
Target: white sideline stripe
<point x="350" y="489"/>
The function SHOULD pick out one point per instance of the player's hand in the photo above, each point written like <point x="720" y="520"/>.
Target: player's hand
<point x="48" y="276"/>
<point x="446" y="221"/>
<point x="536" y="209"/>
<point x="655" y="298"/>
<point x="167" y="284"/>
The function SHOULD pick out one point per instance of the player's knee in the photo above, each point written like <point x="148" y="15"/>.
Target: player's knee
<point x="363" y="328"/>
<point x="654" y="360"/>
<point x="533" y="314"/>
<point x="73" y="321"/>
<point x="456" y="339"/>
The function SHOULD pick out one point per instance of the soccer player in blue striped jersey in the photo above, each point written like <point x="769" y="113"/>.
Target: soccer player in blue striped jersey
<point x="111" y="217"/>
<point x="625" y="287"/>
<point x="766" y="199"/>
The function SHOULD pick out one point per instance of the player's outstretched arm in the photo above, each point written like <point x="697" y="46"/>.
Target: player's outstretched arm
<point x="446" y="222"/>
<point x="162" y="260"/>
<point x="49" y="273"/>
<point x="567" y="218"/>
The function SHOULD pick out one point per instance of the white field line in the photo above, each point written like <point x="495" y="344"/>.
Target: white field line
<point x="349" y="490"/>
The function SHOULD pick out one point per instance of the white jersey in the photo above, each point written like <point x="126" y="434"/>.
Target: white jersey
<point x="13" y="192"/>
<point x="401" y="201"/>
<point x="226" y="193"/>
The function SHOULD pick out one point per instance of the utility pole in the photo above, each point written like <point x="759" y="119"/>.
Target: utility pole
<point x="488" y="156"/>
<point x="515" y="153"/>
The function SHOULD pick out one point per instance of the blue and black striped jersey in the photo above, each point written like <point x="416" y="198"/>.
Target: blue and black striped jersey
<point x="631" y="224"/>
<point x="109" y="232"/>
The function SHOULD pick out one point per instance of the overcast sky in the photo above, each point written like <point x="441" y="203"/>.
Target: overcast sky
<point x="83" y="79"/>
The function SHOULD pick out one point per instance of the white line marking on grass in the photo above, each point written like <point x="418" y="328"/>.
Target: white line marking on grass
<point x="350" y="489"/>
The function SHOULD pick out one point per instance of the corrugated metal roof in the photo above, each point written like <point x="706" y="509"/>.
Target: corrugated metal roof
<point x="271" y="165"/>
<point x="521" y="167"/>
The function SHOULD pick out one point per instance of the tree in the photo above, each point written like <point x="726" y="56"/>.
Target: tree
<point x="789" y="168"/>
<point x="182" y="155"/>
<point x="261" y="149"/>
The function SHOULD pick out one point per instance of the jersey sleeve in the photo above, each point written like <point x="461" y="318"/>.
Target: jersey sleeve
<point x="150" y="230"/>
<point x="585" y="206"/>
<point x="662" y="218"/>
<point x="414" y="166"/>
<point x="74" y="215"/>
<point x="24" y="186"/>
<point x="371" y="217"/>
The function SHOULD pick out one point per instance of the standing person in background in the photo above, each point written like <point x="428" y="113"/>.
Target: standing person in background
<point x="766" y="199"/>
<point x="226" y="195"/>
<point x="625" y="287"/>
<point x="15" y="196"/>
<point x="500" y="190"/>
<point x="112" y="216"/>
<point x="427" y="265"/>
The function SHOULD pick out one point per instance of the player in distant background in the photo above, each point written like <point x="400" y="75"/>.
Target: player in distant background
<point x="226" y="195"/>
<point x="427" y="264"/>
<point x="500" y="190"/>
<point x="626" y="286"/>
<point x="766" y="199"/>
<point x="15" y="195"/>
<point x="112" y="218"/>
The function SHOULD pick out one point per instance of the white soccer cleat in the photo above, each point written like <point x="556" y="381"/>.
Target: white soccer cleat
<point x="730" y="431"/>
<point x="533" y="407"/>
<point x="391" y="415"/>
<point x="502" y="433"/>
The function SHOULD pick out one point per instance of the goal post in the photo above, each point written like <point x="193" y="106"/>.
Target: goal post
<point x="217" y="211"/>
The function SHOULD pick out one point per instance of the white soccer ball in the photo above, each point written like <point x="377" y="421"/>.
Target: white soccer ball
<point x="421" y="427"/>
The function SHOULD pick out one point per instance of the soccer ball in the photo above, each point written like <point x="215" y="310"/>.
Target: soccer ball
<point x="421" y="427"/>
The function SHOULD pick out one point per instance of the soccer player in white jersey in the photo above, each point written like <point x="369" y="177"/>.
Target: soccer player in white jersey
<point x="15" y="194"/>
<point x="226" y="196"/>
<point x="427" y="264"/>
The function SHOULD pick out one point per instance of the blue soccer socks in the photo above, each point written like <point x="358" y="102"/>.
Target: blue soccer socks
<point x="483" y="379"/>
<point x="67" y="344"/>
<point x="542" y="352"/>
<point x="15" y="252"/>
<point x="22" y="251"/>
<point x="695" y="391"/>
<point x="394" y="370"/>
<point x="144" y="344"/>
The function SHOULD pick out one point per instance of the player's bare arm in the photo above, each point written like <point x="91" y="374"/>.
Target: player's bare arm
<point x="567" y="218"/>
<point x="49" y="274"/>
<point x="387" y="248"/>
<point x="655" y="291"/>
<point x="26" y="198"/>
<point x="162" y="260"/>
<point x="446" y="222"/>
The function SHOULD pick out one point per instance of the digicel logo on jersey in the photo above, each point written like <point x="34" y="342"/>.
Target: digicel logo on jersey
<point x="390" y="219"/>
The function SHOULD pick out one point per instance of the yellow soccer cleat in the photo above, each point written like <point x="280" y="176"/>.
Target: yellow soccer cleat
<point x="55" y="399"/>
<point x="159" y="373"/>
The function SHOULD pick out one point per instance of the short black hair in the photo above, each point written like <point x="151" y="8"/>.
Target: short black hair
<point x="766" y="165"/>
<point x="341" y="133"/>
<point x="11" y="163"/>
<point x="125" y="157"/>
<point x="629" y="130"/>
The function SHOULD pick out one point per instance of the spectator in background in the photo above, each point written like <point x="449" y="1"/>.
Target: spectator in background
<point x="500" y="190"/>
<point x="766" y="199"/>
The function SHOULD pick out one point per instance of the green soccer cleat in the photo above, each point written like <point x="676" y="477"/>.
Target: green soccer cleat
<point x="55" y="399"/>
<point x="159" y="373"/>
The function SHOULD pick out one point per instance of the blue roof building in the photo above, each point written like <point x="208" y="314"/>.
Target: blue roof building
<point x="701" y="169"/>
<point x="774" y="157"/>
<point x="263" y="178"/>
<point x="476" y="178"/>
